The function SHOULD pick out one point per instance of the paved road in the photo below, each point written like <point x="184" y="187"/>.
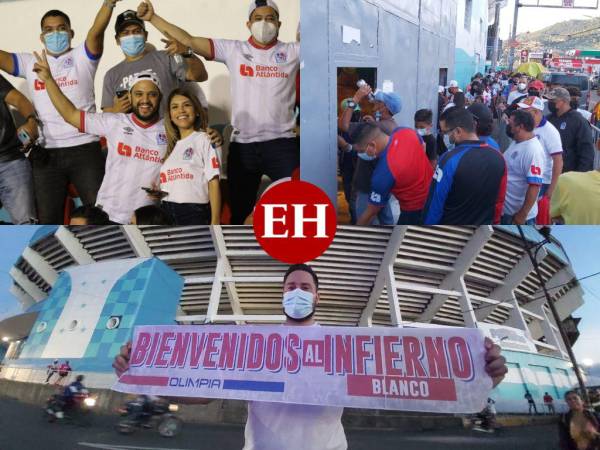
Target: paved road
<point x="22" y="427"/>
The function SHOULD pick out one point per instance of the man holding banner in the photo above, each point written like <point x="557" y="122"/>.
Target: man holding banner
<point x="441" y="370"/>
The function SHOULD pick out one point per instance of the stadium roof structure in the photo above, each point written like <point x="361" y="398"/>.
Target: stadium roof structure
<point x="388" y="276"/>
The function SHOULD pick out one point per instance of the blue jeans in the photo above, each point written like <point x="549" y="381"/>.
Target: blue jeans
<point x="388" y="215"/>
<point x="507" y="219"/>
<point x="188" y="213"/>
<point x="16" y="190"/>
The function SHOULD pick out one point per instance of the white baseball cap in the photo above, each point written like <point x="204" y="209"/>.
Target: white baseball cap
<point x="441" y="89"/>
<point x="258" y="3"/>
<point x="453" y="84"/>
<point x="146" y="75"/>
<point x="532" y="102"/>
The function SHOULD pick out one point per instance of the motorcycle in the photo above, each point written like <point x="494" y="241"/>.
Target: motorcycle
<point x="143" y="413"/>
<point x="484" y="422"/>
<point x="78" y="411"/>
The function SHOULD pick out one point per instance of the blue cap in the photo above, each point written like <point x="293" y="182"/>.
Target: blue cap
<point x="391" y="100"/>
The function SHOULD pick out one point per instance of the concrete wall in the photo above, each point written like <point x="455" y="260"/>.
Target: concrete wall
<point x="408" y="42"/>
<point x="20" y="22"/>
<point x="471" y="43"/>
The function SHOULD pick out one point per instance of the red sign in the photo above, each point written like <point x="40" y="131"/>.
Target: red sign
<point x="295" y="222"/>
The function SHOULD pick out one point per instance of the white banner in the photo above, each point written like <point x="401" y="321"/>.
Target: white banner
<point x="433" y="370"/>
<point x="508" y="338"/>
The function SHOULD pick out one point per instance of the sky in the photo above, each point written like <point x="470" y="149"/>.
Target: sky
<point x="533" y="19"/>
<point x="581" y="243"/>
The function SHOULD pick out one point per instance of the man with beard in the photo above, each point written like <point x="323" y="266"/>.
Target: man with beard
<point x="137" y="142"/>
<point x="263" y="91"/>
<point x="276" y="426"/>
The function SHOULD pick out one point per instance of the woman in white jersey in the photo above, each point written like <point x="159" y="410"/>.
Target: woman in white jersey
<point x="190" y="174"/>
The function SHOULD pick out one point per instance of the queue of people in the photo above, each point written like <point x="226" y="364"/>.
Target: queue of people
<point x="510" y="150"/>
<point x="160" y="153"/>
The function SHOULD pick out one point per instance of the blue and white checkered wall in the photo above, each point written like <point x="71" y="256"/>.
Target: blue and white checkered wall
<point x="74" y="321"/>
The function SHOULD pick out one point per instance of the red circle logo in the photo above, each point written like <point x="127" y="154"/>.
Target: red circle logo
<point x="294" y="222"/>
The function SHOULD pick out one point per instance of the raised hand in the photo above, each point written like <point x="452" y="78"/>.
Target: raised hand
<point x="145" y="10"/>
<point x="173" y="46"/>
<point x="215" y="137"/>
<point x="41" y="67"/>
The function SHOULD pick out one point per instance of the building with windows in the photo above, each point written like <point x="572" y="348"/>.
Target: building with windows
<point x="83" y="289"/>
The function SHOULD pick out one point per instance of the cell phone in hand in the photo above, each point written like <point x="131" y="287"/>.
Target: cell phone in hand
<point x="122" y="93"/>
<point x="155" y="192"/>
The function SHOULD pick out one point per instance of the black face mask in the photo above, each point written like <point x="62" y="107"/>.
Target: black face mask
<point x="533" y="93"/>
<point x="552" y="107"/>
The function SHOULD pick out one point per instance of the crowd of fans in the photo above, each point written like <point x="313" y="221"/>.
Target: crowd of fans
<point x="508" y="149"/>
<point x="149" y="156"/>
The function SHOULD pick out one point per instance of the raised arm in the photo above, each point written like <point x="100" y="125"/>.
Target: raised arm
<point x="199" y="45"/>
<point x="62" y="104"/>
<point x="195" y="67"/>
<point x="95" y="38"/>
<point x="7" y="63"/>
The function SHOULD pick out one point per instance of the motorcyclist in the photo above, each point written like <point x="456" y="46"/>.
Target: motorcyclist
<point x="71" y="392"/>
<point x="142" y="407"/>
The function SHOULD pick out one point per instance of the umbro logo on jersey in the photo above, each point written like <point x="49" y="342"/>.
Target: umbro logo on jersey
<point x="281" y="57"/>
<point x="248" y="56"/>
<point x="188" y="154"/>
<point x="161" y="139"/>
<point x="246" y="71"/>
<point x="39" y="85"/>
<point x="128" y="131"/>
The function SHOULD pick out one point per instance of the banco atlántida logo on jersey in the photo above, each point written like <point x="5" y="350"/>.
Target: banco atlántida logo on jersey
<point x="262" y="71"/>
<point x="63" y="82"/>
<point x="141" y="153"/>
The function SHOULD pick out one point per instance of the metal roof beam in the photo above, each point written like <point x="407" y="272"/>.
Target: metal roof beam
<point x="136" y="240"/>
<point x="218" y="238"/>
<point x="383" y="274"/>
<point x="73" y="246"/>
<point x="23" y="297"/>
<point x="27" y="285"/>
<point x="454" y="280"/>
<point x="40" y="265"/>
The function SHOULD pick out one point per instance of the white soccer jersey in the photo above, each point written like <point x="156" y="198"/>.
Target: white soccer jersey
<point x="135" y="155"/>
<point x="187" y="171"/>
<point x="263" y="88"/>
<point x="550" y="139"/>
<point x="74" y="73"/>
<point x="524" y="162"/>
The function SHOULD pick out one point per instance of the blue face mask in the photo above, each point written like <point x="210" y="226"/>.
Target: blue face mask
<point x="449" y="144"/>
<point x="366" y="157"/>
<point x="298" y="304"/>
<point x="133" y="45"/>
<point x="57" y="42"/>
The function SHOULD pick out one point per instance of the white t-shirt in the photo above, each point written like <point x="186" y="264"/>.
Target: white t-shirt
<point x="586" y="114"/>
<point x="186" y="172"/>
<point x="74" y="73"/>
<point x="524" y="162"/>
<point x="550" y="139"/>
<point x="263" y="88"/>
<point x="135" y="155"/>
<point x="515" y="95"/>
<point x="278" y="426"/>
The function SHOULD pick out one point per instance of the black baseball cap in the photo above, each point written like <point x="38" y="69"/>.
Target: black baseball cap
<point x="481" y="113"/>
<point x="127" y="18"/>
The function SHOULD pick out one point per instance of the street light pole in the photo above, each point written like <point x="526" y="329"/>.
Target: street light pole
<point x="496" y="32"/>
<point x="513" y="38"/>
<point x="563" y="334"/>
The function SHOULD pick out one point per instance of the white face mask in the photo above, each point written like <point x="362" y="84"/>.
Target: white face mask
<point x="298" y="304"/>
<point x="264" y="32"/>
<point x="424" y="131"/>
<point x="521" y="86"/>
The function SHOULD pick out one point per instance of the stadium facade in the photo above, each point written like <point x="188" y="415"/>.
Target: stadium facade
<point x="83" y="289"/>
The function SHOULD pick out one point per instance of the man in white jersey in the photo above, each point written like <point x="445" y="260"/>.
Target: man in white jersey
<point x="550" y="139"/>
<point x="69" y="156"/>
<point x="263" y="86"/>
<point x="277" y="426"/>
<point x="137" y="142"/>
<point x="524" y="161"/>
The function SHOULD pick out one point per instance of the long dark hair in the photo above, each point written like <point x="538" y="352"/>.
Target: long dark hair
<point x="200" y="124"/>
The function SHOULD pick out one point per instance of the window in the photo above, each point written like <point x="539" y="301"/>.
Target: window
<point x="468" y="13"/>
